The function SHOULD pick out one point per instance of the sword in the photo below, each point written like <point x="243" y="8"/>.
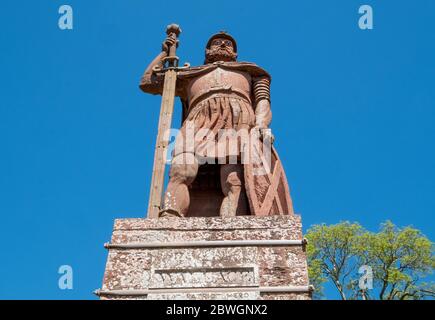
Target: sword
<point x="170" y="67"/>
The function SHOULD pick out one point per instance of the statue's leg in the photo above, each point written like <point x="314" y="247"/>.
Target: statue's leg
<point x="184" y="169"/>
<point x="232" y="187"/>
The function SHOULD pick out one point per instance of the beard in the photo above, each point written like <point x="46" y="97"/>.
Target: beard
<point x="220" y="54"/>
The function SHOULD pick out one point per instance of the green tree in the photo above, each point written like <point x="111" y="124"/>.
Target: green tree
<point x="399" y="260"/>
<point x="331" y="253"/>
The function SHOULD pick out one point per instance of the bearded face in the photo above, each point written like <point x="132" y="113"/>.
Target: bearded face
<point x="221" y="49"/>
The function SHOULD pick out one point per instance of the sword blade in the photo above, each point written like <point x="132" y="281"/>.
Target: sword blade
<point x="160" y="152"/>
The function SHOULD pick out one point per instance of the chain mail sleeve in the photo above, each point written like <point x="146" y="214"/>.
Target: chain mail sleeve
<point x="261" y="91"/>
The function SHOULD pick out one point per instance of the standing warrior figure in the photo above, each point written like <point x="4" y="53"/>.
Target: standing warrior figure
<point x="210" y="178"/>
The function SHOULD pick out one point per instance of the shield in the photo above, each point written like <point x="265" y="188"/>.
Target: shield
<point x="266" y="185"/>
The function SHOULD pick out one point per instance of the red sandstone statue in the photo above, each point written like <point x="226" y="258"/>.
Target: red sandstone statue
<point x="222" y="94"/>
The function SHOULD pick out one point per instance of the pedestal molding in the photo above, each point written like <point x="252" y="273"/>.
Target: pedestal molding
<point x="211" y="243"/>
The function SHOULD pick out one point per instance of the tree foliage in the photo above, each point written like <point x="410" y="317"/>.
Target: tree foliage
<point x="398" y="260"/>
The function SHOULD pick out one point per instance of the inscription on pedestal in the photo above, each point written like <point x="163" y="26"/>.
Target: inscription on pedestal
<point x="204" y="258"/>
<point x="204" y="278"/>
<point x="206" y="296"/>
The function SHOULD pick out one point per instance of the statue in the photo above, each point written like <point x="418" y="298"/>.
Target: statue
<point x="208" y="176"/>
<point x="243" y="240"/>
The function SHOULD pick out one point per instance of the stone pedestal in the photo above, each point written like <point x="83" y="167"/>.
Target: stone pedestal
<point x="243" y="257"/>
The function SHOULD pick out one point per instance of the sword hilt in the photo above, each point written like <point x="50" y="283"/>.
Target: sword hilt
<point x="173" y="30"/>
<point x="171" y="61"/>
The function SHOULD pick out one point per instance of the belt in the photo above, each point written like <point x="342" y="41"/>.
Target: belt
<point x="213" y="92"/>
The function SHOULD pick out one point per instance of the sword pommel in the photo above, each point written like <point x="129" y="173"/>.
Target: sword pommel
<point x="173" y="29"/>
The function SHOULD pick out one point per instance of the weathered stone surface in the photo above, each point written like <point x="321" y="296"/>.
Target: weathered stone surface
<point x="207" y="269"/>
<point x="127" y="270"/>
<point x="205" y="257"/>
<point x="215" y="223"/>
<point x="210" y="278"/>
<point x="121" y="236"/>
<point x="283" y="266"/>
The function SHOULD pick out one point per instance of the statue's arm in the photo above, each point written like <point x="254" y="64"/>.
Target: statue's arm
<point x="263" y="113"/>
<point x="151" y="82"/>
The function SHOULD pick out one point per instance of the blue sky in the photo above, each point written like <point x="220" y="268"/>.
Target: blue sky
<point x="353" y="119"/>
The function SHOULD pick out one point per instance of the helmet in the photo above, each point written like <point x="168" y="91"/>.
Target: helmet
<point x="222" y="34"/>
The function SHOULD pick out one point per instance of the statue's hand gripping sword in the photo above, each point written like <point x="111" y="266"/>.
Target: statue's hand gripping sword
<point x="170" y="68"/>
